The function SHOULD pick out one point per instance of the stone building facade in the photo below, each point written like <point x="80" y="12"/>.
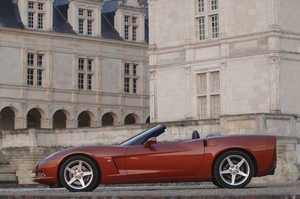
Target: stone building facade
<point x="233" y="60"/>
<point x="73" y="63"/>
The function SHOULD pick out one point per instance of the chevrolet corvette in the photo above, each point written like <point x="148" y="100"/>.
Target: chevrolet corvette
<point x="227" y="161"/>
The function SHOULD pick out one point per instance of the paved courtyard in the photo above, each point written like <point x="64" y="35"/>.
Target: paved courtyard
<point x="176" y="190"/>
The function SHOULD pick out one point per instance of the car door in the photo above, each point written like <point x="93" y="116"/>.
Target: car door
<point x="163" y="160"/>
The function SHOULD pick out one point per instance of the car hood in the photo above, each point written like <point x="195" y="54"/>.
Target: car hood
<point x="92" y="151"/>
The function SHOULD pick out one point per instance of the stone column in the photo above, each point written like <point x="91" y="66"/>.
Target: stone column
<point x="20" y="122"/>
<point x="70" y="124"/>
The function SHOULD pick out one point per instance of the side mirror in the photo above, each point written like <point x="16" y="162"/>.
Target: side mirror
<point x="150" y="142"/>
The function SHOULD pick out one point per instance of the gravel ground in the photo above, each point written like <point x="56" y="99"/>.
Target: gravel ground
<point x="291" y="189"/>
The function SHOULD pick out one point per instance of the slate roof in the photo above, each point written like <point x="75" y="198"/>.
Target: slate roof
<point x="110" y="6"/>
<point x="9" y="14"/>
<point x="107" y="28"/>
<point x="10" y="17"/>
<point x="60" y="22"/>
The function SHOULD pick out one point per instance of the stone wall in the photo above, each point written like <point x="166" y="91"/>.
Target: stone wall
<point x="24" y="148"/>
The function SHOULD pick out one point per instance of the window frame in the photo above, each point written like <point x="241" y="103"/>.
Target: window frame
<point x="130" y="27"/>
<point x="30" y="5"/>
<point x="201" y="28"/>
<point x="40" y="21"/>
<point x="214" y="4"/>
<point x="214" y="21"/>
<point x="85" y="73"/>
<point x="35" y="68"/>
<point x="201" y="6"/>
<point x="131" y="78"/>
<point x="208" y="94"/>
<point x="85" y="21"/>
<point x="207" y="20"/>
<point x="35" y="15"/>
<point x="30" y="18"/>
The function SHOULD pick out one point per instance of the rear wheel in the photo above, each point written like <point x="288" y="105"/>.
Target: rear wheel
<point x="79" y="173"/>
<point x="233" y="169"/>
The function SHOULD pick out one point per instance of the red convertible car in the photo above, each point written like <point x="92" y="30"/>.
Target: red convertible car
<point x="227" y="161"/>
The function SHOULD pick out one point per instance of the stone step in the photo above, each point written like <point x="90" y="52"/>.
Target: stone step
<point x="7" y="169"/>
<point x="8" y="177"/>
<point x="7" y="174"/>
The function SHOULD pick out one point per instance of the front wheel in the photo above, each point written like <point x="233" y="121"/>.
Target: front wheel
<point x="233" y="169"/>
<point x="79" y="173"/>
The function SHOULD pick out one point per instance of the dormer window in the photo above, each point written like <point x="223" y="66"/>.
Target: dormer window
<point x="80" y="12"/>
<point x="35" y="15"/>
<point x="130" y="28"/>
<point x="85" y="17"/>
<point x="40" y="6"/>
<point x="207" y="19"/>
<point x="85" y="21"/>
<point x="30" y="5"/>
<point x="129" y="21"/>
<point x="40" y="21"/>
<point x="214" y="5"/>
<point x="134" y="20"/>
<point x="80" y="26"/>
<point x="126" y="19"/>
<point x="89" y="13"/>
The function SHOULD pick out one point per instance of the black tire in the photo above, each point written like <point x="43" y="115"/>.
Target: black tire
<point x="215" y="182"/>
<point x="58" y="185"/>
<point x="79" y="173"/>
<point x="233" y="169"/>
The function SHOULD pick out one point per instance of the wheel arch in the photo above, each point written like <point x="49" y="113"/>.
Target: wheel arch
<point x="78" y="154"/>
<point x="248" y="153"/>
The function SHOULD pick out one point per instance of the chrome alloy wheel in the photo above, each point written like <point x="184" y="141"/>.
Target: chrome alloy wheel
<point x="233" y="169"/>
<point x="79" y="173"/>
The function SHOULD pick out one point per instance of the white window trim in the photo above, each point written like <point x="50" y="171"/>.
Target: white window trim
<point x="131" y="78"/>
<point x="36" y="68"/>
<point x="207" y="15"/>
<point x="83" y="68"/>
<point x="208" y="94"/>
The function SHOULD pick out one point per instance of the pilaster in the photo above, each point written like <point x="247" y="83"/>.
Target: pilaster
<point x="274" y="62"/>
<point x="274" y="14"/>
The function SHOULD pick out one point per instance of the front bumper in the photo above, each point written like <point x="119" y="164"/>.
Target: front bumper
<point x="44" y="175"/>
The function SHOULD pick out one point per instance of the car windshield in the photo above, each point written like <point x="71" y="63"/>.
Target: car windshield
<point x="144" y="136"/>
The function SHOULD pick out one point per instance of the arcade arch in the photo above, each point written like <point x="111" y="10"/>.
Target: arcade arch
<point x="109" y="119"/>
<point x="85" y="119"/>
<point x="7" y="119"/>
<point x="148" y="120"/>
<point x="34" y="118"/>
<point x="60" y="119"/>
<point x="131" y="119"/>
